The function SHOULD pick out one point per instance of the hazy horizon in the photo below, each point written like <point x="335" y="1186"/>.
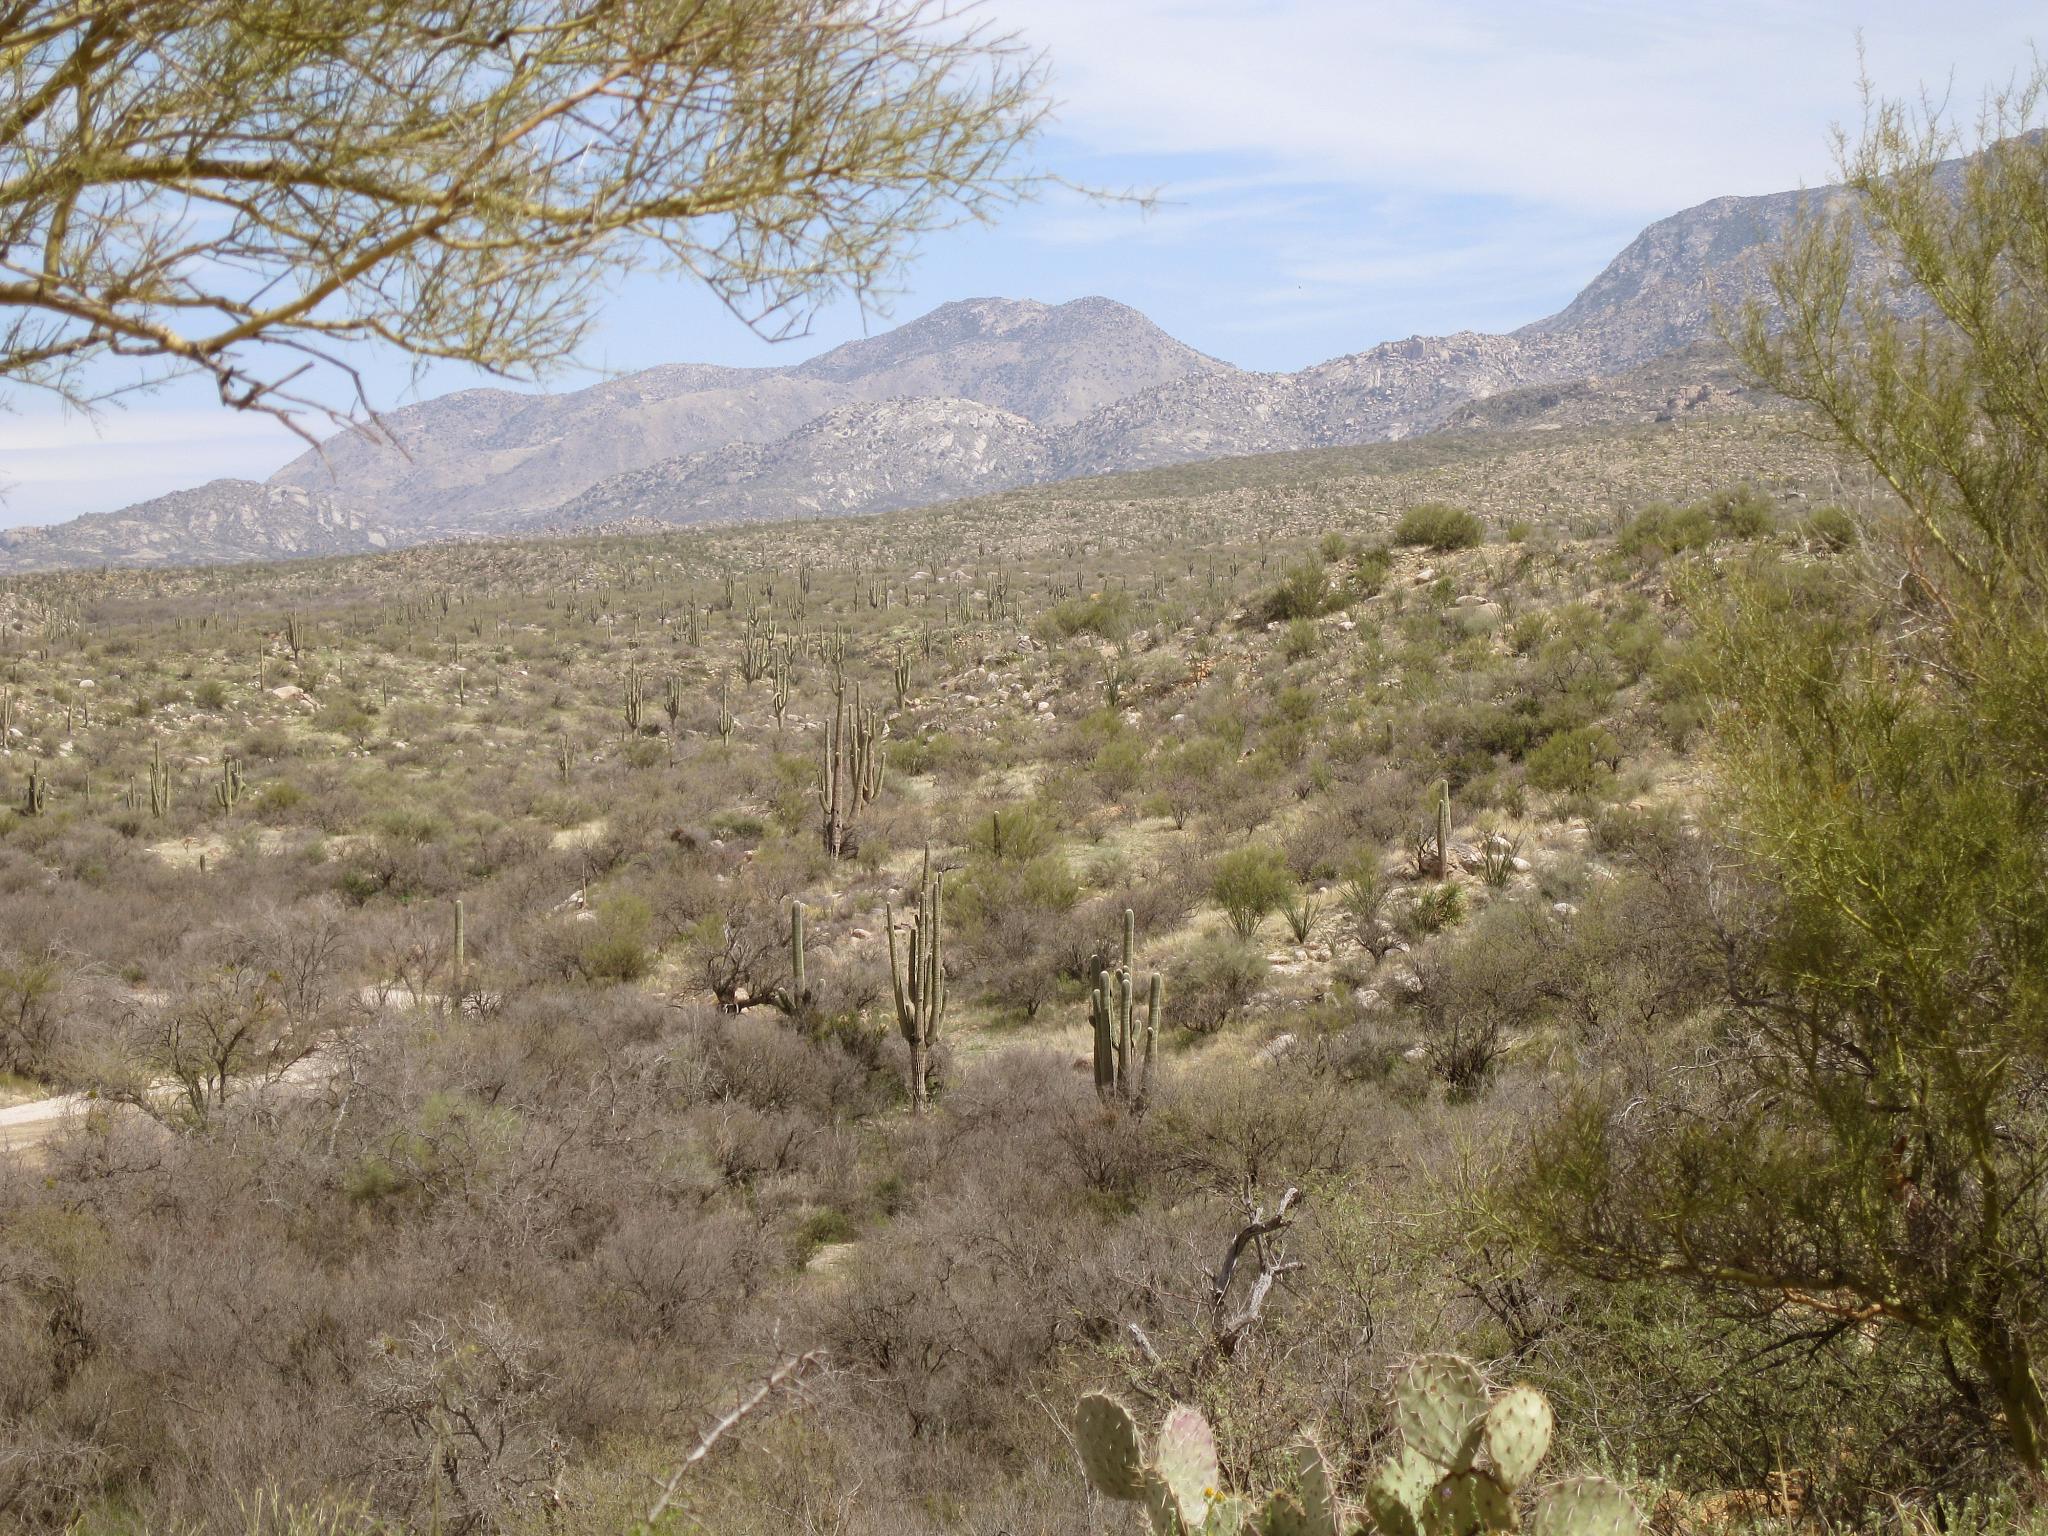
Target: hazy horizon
<point x="1481" y="164"/>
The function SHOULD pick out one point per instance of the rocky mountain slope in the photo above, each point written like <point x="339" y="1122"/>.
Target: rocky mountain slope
<point x="973" y="397"/>
<point x="221" y="521"/>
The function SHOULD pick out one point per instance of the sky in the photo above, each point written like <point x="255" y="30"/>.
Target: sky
<point x="1329" y="174"/>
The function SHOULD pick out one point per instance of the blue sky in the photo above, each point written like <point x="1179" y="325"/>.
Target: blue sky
<point x="1333" y="173"/>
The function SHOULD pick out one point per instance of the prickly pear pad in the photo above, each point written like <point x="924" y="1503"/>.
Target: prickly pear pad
<point x="1187" y="1461"/>
<point x="1518" y="1428"/>
<point x="1440" y="1409"/>
<point x="1585" y="1506"/>
<point x="1107" y="1437"/>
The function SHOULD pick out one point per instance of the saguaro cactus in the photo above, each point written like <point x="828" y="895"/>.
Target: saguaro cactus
<point x="851" y="774"/>
<point x="795" y="1001"/>
<point x="38" y="792"/>
<point x="1466" y="1461"/>
<point x="1440" y="809"/>
<point x="635" y="695"/>
<point x="1121" y="1071"/>
<point x="461" y="956"/>
<point x="159" y="782"/>
<point x="920" y="987"/>
<point x="227" y="789"/>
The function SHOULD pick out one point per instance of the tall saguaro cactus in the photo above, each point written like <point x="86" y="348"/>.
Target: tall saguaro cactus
<point x="38" y="792"/>
<point x="461" y="951"/>
<point x="159" y="782"/>
<point x="1441" y="795"/>
<point x="920" y="987"/>
<point x="227" y="789"/>
<point x="851" y="773"/>
<point x="1121" y="1071"/>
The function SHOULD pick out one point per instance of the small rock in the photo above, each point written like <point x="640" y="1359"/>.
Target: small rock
<point x="1275" y="1048"/>
<point x="1564" y="909"/>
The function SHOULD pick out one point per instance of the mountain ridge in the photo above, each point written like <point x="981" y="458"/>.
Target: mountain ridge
<point x="975" y="395"/>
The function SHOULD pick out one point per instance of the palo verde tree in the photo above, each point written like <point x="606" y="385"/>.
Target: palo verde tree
<point x="1864" y="1140"/>
<point x="246" y="188"/>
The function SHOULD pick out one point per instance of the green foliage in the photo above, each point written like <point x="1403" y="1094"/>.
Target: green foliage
<point x="615" y="950"/>
<point x="1304" y="593"/>
<point x="1248" y="883"/>
<point x="1572" y="762"/>
<point x="1107" y="615"/>
<point x="1439" y="526"/>
<point x="1865" y="1142"/>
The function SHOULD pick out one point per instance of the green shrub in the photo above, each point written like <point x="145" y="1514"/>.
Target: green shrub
<point x="1303" y="593"/>
<point x="1833" y="527"/>
<point x="1572" y="762"/>
<point x="1248" y="883"/>
<point x="1301" y="641"/>
<point x="1439" y="526"/>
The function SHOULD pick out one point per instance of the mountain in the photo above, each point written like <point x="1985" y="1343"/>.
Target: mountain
<point x="223" y="520"/>
<point x="976" y="396"/>
<point x="479" y="460"/>
<point x="868" y="458"/>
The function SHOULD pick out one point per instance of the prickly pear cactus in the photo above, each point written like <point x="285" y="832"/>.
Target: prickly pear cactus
<point x="1398" y="1495"/>
<point x="1186" y="1462"/>
<point x="1518" y="1427"/>
<point x="1107" y="1436"/>
<point x="1440" y="1409"/>
<point x="1177" y="1484"/>
<point x="1585" y="1506"/>
<point x="1466" y="1457"/>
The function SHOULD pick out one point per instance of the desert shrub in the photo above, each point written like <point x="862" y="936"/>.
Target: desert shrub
<point x="1570" y="762"/>
<point x="1107" y="615"/>
<point x="1208" y="988"/>
<point x="615" y="950"/>
<point x="1248" y="883"/>
<point x="1301" y="641"/>
<point x="1439" y="526"/>
<point x="1742" y="511"/>
<point x="1832" y="527"/>
<point x="1369" y="575"/>
<point x="1303" y="593"/>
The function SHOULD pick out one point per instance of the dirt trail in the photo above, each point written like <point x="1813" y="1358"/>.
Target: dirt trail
<point x="23" y="1127"/>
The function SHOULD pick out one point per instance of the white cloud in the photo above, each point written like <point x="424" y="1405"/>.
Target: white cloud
<point x="55" y="465"/>
<point x="1597" y="105"/>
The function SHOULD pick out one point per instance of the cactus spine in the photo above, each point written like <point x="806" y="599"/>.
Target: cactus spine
<point x="1465" y="1459"/>
<point x="1121" y="1072"/>
<point x="920" y="987"/>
